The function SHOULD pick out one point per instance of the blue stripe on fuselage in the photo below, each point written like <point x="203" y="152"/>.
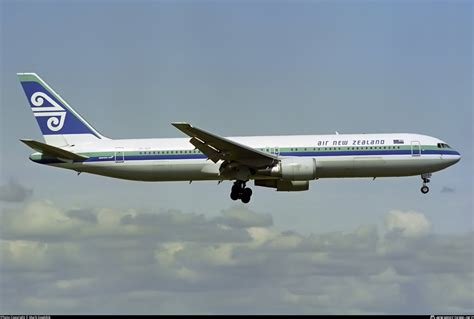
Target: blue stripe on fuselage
<point x="311" y="154"/>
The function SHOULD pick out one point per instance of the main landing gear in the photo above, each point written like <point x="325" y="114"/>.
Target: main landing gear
<point x="239" y="191"/>
<point x="426" y="179"/>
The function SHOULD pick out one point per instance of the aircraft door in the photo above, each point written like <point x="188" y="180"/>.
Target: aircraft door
<point x="119" y="155"/>
<point x="273" y="150"/>
<point x="415" y="148"/>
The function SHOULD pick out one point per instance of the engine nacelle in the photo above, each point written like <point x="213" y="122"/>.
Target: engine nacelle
<point x="283" y="185"/>
<point x="298" y="168"/>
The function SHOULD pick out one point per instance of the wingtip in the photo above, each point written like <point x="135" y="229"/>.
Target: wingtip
<point x="180" y="124"/>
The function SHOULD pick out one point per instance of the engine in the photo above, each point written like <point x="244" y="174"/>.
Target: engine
<point x="298" y="168"/>
<point x="293" y="173"/>
<point x="283" y="185"/>
<point x="292" y="169"/>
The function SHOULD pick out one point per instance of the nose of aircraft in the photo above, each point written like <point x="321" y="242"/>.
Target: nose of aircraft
<point x="456" y="157"/>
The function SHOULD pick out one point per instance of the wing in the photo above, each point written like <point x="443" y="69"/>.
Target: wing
<point x="219" y="148"/>
<point x="53" y="151"/>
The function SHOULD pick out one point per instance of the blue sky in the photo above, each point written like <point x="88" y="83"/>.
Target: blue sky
<point x="246" y="68"/>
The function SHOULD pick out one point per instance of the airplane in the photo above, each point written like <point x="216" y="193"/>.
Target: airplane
<point x="285" y="163"/>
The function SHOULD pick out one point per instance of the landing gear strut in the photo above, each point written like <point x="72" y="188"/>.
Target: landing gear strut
<point x="239" y="191"/>
<point x="426" y="179"/>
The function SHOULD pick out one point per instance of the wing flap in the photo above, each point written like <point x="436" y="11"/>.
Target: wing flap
<point x="210" y="152"/>
<point x="220" y="148"/>
<point x="53" y="151"/>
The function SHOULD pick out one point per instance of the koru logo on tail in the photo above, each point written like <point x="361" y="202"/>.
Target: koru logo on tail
<point x="56" y="113"/>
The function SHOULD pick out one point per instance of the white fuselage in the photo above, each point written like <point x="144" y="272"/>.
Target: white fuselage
<point x="342" y="155"/>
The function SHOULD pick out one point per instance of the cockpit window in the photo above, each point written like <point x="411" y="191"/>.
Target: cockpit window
<point x="443" y="145"/>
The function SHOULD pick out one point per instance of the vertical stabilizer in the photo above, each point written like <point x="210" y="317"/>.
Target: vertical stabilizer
<point x="59" y="123"/>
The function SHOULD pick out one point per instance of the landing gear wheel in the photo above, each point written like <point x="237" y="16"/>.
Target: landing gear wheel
<point x="245" y="200"/>
<point x="246" y="194"/>
<point x="426" y="179"/>
<point x="236" y="188"/>
<point x="239" y="191"/>
<point x="234" y="195"/>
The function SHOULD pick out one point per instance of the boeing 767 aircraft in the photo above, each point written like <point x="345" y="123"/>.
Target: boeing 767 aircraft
<point x="285" y="163"/>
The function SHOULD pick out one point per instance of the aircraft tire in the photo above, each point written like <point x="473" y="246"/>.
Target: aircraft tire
<point x="246" y="194"/>
<point x="245" y="199"/>
<point x="234" y="195"/>
<point x="236" y="188"/>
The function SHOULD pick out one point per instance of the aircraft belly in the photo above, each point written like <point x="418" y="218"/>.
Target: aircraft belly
<point x="327" y="167"/>
<point x="384" y="166"/>
<point x="175" y="170"/>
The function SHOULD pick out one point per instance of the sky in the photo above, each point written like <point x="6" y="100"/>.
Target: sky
<point x="92" y="244"/>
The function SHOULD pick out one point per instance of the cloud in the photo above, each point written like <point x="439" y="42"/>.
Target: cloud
<point x="241" y="217"/>
<point x="409" y="224"/>
<point x="82" y="214"/>
<point x="126" y="261"/>
<point x="14" y="192"/>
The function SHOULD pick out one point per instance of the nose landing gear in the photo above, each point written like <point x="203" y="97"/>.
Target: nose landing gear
<point x="239" y="191"/>
<point x="426" y="179"/>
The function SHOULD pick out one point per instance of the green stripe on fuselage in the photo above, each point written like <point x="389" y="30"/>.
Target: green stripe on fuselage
<point x="280" y="150"/>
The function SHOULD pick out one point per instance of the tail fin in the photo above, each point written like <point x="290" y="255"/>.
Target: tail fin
<point x="59" y="123"/>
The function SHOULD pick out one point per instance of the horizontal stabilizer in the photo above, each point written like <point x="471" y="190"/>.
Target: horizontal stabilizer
<point x="53" y="151"/>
